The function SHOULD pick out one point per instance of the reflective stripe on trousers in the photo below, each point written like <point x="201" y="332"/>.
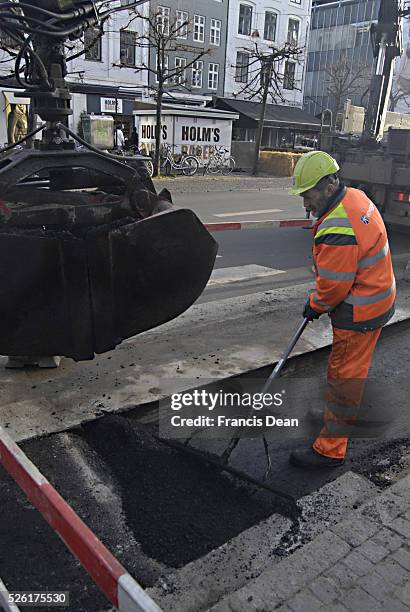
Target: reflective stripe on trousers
<point x="350" y="359"/>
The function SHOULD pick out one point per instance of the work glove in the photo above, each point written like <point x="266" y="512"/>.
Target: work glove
<point x="309" y="312"/>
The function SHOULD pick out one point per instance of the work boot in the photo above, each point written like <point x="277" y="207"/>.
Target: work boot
<point x="310" y="459"/>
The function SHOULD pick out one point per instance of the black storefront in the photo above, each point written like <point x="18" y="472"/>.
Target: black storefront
<point x="115" y="101"/>
<point x="284" y="126"/>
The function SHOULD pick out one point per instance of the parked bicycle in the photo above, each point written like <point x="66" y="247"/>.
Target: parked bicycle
<point x="187" y="164"/>
<point x="132" y="152"/>
<point x="220" y="162"/>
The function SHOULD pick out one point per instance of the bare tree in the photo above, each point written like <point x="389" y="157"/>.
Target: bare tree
<point x="266" y="75"/>
<point x="164" y="36"/>
<point x="343" y="81"/>
<point x="398" y="95"/>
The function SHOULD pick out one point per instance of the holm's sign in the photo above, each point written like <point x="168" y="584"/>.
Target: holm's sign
<point x="194" y="133"/>
<point x="148" y="132"/>
<point x="188" y="133"/>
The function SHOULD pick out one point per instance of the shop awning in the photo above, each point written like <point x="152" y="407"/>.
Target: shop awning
<point x="11" y="98"/>
<point x="276" y="115"/>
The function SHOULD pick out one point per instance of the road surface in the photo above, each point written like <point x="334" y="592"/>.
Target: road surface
<point x="235" y="198"/>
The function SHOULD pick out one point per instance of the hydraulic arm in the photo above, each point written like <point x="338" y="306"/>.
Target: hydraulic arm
<point x="386" y="37"/>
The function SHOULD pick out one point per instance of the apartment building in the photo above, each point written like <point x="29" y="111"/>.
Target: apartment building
<point x="267" y="23"/>
<point x="106" y="79"/>
<point x="205" y="30"/>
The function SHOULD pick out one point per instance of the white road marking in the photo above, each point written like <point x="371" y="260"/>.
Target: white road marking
<point x="221" y="276"/>
<point x="248" y="212"/>
<point x="219" y="255"/>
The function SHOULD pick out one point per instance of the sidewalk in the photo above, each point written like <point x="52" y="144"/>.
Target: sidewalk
<point x="210" y="341"/>
<point x="359" y="564"/>
<point x="236" y="181"/>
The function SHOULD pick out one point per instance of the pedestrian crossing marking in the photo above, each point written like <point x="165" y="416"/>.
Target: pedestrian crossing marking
<point x="221" y="276"/>
<point x="248" y="212"/>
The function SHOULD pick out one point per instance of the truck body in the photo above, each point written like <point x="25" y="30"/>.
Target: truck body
<point x="378" y="161"/>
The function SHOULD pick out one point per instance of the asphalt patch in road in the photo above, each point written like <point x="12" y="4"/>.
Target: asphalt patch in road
<point x="33" y="558"/>
<point x="384" y="464"/>
<point x="179" y="508"/>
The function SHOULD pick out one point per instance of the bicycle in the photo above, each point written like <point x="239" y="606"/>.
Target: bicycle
<point x="188" y="164"/>
<point x="220" y="162"/>
<point x="136" y="155"/>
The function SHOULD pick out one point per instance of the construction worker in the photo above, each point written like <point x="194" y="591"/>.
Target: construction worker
<point x="355" y="285"/>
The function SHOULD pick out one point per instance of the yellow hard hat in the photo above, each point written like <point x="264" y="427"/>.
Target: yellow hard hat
<point x="310" y="169"/>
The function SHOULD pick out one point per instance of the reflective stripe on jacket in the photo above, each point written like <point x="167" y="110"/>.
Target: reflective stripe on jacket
<point x="354" y="274"/>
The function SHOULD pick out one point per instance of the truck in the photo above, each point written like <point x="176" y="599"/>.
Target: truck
<point x="377" y="165"/>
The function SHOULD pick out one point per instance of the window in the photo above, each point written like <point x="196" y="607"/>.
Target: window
<point x="289" y="75"/>
<point x="180" y="78"/>
<point x="92" y="44"/>
<point x="163" y="20"/>
<point x="293" y="31"/>
<point x="245" y="19"/>
<point x="213" y="75"/>
<point x="182" y="24"/>
<point x="127" y="48"/>
<point x="241" y="67"/>
<point x="199" y="28"/>
<point x="164" y="68"/>
<point x="197" y="70"/>
<point x="270" y="26"/>
<point x="215" y="32"/>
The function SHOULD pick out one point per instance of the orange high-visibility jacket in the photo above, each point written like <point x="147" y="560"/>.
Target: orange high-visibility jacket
<point x="354" y="274"/>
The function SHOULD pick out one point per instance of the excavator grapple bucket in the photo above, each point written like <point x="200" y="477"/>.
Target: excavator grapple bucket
<point x="90" y="254"/>
<point x="146" y="273"/>
<point x="64" y="295"/>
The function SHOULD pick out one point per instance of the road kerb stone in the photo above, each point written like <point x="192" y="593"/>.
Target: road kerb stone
<point x="358" y="563"/>
<point x="402" y="488"/>
<point x="383" y="509"/>
<point x="355" y="530"/>
<point x="402" y="526"/>
<point x="284" y="580"/>
<point x="376" y="586"/>
<point x="357" y="599"/>
<point x="325" y="589"/>
<point x="402" y="556"/>
<point x="373" y="551"/>
<point x="392" y="572"/>
<point x="305" y="602"/>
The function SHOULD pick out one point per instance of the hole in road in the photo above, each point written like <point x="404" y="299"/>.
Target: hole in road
<point x="178" y="508"/>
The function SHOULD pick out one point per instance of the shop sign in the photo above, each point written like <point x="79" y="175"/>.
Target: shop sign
<point x="111" y="105"/>
<point x="196" y="136"/>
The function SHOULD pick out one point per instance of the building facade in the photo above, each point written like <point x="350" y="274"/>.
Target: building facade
<point x="104" y="80"/>
<point x="204" y="31"/>
<point x="339" y="41"/>
<point x="107" y="79"/>
<point x="267" y="23"/>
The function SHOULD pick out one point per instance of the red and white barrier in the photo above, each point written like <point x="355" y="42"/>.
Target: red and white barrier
<point x="108" y="574"/>
<point x="4" y="600"/>
<point x="234" y="225"/>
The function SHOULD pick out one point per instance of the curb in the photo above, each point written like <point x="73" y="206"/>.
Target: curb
<point x="233" y="225"/>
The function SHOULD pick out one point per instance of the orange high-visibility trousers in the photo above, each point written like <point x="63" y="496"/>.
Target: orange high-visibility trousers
<point x="348" y="366"/>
